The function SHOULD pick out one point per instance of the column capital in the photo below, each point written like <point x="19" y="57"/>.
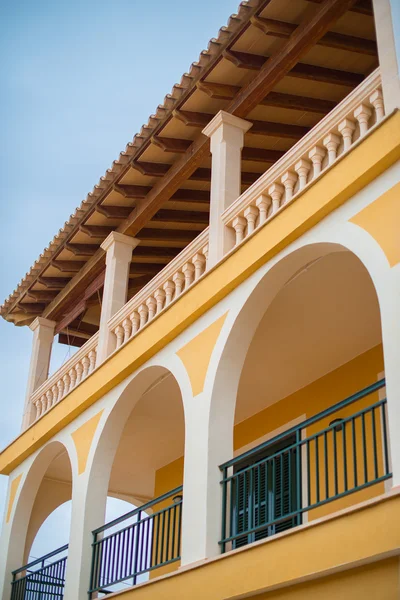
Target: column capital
<point x="119" y="238"/>
<point x="223" y="118"/>
<point x="42" y="322"/>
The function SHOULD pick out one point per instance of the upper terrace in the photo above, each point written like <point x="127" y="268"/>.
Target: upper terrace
<point x="305" y="77"/>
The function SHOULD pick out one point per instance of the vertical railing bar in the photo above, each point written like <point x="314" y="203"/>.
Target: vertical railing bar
<point x="317" y="467"/>
<point x="364" y="444"/>
<point x="374" y="443"/>
<point x="335" y="473"/>
<point x="224" y="509"/>
<point x="326" y="465"/>
<point x="354" y="443"/>
<point x="308" y="473"/>
<point x="385" y="439"/>
<point x="344" y="444"/>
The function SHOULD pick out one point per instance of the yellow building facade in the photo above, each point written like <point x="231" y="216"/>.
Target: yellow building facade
<point x="232" y="286"/>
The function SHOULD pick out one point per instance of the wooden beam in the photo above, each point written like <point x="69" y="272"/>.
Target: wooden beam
<point x="131" y="191"/>
<point x="82" y="249"/>
<point x="80" y="304"/>
<point x="41" y="295"/>
<point x="167" y="144"/>
<point x="269" y="128"/>
<point x="339" y="41"/>
<point x="255" y="62"/>
<point x="75" y="340"/>
<point x="99" y="232"/>
<point x="151" y="169"/>
<point x="113" y="212"/>
<point x="54" y="283"/>
<point x="199" y="196"/>
<point x="166" y="235"/>
<point x="68" y="266"/>
<point x="77" y="309"/>
<point x="192" y="118"/>
<point x="314" y="105"/>
<point x="362" y="7"/>
<point x="180" y="216"/>
<point x="261" y="155"/>
<point x="146" y="268"/>
<point x="151" y="252"/>
<point x="30" y="309"/>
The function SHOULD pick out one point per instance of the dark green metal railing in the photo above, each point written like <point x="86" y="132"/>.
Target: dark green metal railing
<point x="268" y="489"/>
<point x="149" y="542"/>
<point x="40" y="581"/>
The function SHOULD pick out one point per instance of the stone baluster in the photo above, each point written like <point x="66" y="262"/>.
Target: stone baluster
<point x="363" y="114"/>
<point x="178" y="279"/>
<point x="79" y="372"/>
<point x="38" y="406"/>
<point x="347" y="128"/>
<point x="376" y="100"/>
<point x="276" y="192"/>
<point x="119" y="334"/>
<point x="143" y="312"/>
<point x="239" y="225"/>
<point x="60" y="391"/>
<point x="289" y="180"/>
<point x="263" y="203"/>
<point x="302" y="168"/>
<point x="92" y="360"/>
<point x="188" y="272"/>
<point x="331" y="143"/>
<point x="199" y="261"/>
<point x="50" y="399"/>
<point x="86" y="365"/>
<point x="251" y="215"/>
<point x="169" y="288"/>
<point x="159" y="295"/>
<point x="54" y="394"/>
<point x="127" y="327"/>
<point x="135" y="320"/>
<point x="72" y="377"/>
<point x="44" y="401"/>
<point x="316" y="155"/>
<point x="151" y="304"/>
<point x="67" y="383"/>
<point x="205" y="254"/>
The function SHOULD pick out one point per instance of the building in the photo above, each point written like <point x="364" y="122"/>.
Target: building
<point x="232" y="285"/>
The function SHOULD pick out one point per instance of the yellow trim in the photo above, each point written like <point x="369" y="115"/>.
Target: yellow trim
<point x="369" y="159"/>
<point x="196" y="354"/>
<point x="83" y="437"/>
<point x="13" y="492"/>
<point x="322" y="548"/>
<point x="381" y="220"/>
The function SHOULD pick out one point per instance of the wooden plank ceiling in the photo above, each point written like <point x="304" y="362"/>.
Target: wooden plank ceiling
<point x="289" y="63"/>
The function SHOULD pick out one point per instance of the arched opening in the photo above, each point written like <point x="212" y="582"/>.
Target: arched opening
<point x="33" y="553"/>
<point x="307" y="442"/>
<point x="147" y="433"/>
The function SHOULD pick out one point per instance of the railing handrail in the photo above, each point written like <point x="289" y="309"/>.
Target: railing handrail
<point x="135" y="511"/>
<point x="321" y="415"/>
<point x="66" y="367"/>
<point x="324" y="126"/>
<point x="197" y="244"/>
<point x="41" y="559"/>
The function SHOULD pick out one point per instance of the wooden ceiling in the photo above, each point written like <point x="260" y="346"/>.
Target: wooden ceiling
<point x="287" y="65"/>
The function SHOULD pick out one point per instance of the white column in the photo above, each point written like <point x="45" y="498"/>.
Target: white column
<point x="211" y="444"/>
<point x="389" y="302"/>
<point x="118" y="259"/>
<point x="387" y="26"/>
<point x="43" y="335"/>
<point x="227" y="137"/>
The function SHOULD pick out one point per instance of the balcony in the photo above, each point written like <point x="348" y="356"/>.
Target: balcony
<point x="269" y="490"/>
<point x="334" y="137"/>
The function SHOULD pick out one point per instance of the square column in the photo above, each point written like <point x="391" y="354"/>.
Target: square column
<point x="227" y="137"/>
<point x="118" y="249"/>
<point x="43" y="335"/>
<point x="387" y="27"/>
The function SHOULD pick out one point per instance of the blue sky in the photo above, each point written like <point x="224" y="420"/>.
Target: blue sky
<point x="79" y="78"/>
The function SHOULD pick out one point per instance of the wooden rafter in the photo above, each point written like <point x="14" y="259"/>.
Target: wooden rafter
<point x="284" y="30"/>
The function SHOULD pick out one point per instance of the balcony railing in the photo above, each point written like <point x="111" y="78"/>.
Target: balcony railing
<point x="329" y="140"/>
<point x="65" y="379"/>
<point x="41" y="579"/>
<point x="136" y="543"/>
<point x="269" y="489"/>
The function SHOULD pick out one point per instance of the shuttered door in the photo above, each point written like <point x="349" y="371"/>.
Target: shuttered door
<point x="264" y="492"/>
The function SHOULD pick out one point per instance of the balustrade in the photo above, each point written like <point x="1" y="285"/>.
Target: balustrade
<point x="333" y="136"/>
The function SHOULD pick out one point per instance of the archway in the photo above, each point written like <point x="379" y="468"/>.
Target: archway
<point x="307" y="337"/>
